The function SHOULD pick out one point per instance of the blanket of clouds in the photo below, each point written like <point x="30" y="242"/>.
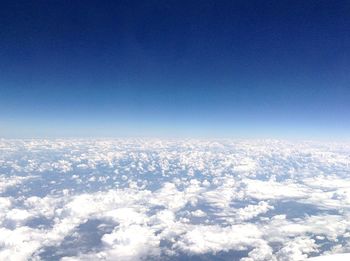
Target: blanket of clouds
<point x="150" y="199"/>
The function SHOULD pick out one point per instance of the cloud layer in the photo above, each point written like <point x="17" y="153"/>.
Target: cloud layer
<point x="135" y="199"/>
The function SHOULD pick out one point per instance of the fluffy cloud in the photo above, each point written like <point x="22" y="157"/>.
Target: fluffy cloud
<point x="259" y="200"/>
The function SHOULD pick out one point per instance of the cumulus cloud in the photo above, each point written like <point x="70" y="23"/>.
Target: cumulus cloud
<point x="158" y="199"/>
<point x="202" y="239"/>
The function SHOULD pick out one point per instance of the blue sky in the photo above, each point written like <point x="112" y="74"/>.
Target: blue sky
<point x="175" y="68"/>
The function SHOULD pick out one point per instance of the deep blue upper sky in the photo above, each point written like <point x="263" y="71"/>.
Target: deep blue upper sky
<point x="175" y="68"/>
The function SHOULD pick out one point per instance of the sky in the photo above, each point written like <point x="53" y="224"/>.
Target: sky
<point x="175" y="69"/>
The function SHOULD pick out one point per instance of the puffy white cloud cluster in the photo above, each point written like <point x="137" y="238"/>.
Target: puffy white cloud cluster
<point x="135" y="199"/>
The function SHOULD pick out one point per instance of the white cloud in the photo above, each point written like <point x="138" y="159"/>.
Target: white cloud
<point x="337" y="257"/>
<point x="202" y="239"/>
<point x="171" y="197"/>
<point x="297" y="249"/>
